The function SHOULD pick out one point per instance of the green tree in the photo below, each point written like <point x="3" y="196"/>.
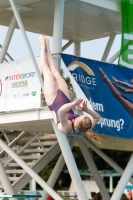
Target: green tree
<point x="67" y="79"/>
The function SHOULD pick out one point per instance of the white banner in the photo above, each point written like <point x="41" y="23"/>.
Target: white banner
<point x="19" y="86"/>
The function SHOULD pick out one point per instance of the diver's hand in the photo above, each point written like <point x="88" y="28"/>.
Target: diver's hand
<point x="117" y="81"/>
<point x="83" y="106"/>
<point x="77" y="102"/>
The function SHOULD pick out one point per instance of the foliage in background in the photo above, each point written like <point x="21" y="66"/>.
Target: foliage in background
<point x="67" y="79"/>
<point x="120" y="157"/>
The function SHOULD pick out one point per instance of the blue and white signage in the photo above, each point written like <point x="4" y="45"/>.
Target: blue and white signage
<point x="109" y="89"/>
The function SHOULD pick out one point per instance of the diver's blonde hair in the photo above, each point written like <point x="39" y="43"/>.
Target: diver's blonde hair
<point x="85" y="126"/>
<point x="94" y="137"/>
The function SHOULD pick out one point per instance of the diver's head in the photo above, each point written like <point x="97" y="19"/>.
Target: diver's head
<point x="82" y="123"/>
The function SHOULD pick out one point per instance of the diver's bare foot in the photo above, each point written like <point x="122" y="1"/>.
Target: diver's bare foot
<point x="104" y="77"/>
<point x="47" y="42"/>
<point x="42" y="44"/>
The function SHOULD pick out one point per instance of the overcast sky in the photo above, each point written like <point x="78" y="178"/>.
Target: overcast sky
<point x="92" y="49"/>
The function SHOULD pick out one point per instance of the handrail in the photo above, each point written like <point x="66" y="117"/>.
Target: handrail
<point x="14" y="142"/>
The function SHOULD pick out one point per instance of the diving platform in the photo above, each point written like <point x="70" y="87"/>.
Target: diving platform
<point x="99" y="18"/>
<point x="30" y="120"/>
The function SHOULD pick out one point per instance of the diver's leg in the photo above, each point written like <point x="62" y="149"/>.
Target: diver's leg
<point x="59" y="79"/>
<point x="50" y="83"/>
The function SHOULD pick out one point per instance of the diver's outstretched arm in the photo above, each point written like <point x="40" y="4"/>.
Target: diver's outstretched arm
<point x="128" y="105"/>
<point x="66" y="107"/>
<point x="123" y="83"/>
<point x="124" y="90"/>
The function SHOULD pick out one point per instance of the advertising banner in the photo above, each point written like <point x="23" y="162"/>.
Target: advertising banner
<point x="109" y="89"/>
<point x="126" y="52"/>
<point x="19" y="86"/>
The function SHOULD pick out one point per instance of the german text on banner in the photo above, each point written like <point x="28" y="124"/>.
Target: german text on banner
<point x="19" y="86"/>
<point x="126" y="52"/>
<point x="109" y="89"/>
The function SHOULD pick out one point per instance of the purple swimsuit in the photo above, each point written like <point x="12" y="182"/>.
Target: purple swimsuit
<point x="59" y="101"/>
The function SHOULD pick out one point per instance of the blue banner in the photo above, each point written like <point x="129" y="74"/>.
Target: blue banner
<point x="109" y="89"/>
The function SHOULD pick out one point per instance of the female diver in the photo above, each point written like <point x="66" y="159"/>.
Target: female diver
<point x="58" y="99"/>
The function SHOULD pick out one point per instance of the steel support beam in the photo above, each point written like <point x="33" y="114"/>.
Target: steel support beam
<point x="114" y="57"/>
<point x="77" y="48"/>
<point x="5" y="181"/>
<point x="33" y="185"/>
<point x="58" y="31"/>
<point x="108" y="47"/>
<point x="111" y="183"/>
<point x="16" y="13"/>
<point x="8" y="53"/>
<point x="30" y="171"/>
<point x="8" y="39"/>
<point x="123" y="180"/>
<point x="58" y="26"/>
<point x="93" y="169"/>
<point x="57" y="170"/>
<point x="67" y="45"/>
<point x="70" y="162"/>
<point x="104" y="156"/>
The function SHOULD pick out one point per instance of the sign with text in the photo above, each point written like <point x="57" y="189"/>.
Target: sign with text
<point x="126" y="51"/>
<point x="109" y="89"/>
<point x="19" y="86"/>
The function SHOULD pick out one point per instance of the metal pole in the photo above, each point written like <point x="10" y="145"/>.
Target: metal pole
<point x="70" y="162"/>
<point x="30" y="171"/>
<point x="67" y="45"/>
<point x="58" y="26"/>
<point x="33" y="185"/>
<point x="56" y="171"/>
<point x="124" y="180"/>
<point x="5" y="181"/>
<point x="104" y="156"/>
<point x="16" y="13"/>
<point x="8" y="39"/>
<point x="93" y="169"/>
<point x="8" y="53"/>
<point x="108" y="47"/>
<point x="77" y="48"/>
<point x="111" y="183"/>
<point x="114" y="57"/>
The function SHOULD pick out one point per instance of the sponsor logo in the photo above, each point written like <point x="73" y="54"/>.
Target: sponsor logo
<point x="89" y="80"/>
<point x="0" y="87"/>
<point x="17" y="95"/>
<point x="6" y="78"/>
<point x="34" y="93"/>
<point x="20" y="76"/>
<point x="26" y="95"/>
<point x="20" y="84"/>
